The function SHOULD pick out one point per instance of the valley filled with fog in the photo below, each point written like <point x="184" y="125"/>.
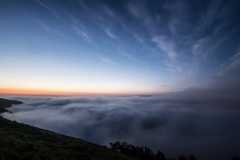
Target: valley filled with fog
<point x="173" y="123"/>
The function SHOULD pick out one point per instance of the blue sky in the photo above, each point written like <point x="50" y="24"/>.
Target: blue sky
<point x="77" y="46"/>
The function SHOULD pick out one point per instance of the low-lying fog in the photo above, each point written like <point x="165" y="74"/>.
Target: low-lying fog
<point x="205" y="126"/>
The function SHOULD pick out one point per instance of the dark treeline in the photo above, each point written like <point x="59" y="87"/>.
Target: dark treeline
<point x="144" y="153"/>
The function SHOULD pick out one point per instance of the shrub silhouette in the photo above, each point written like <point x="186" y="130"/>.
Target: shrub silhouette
<point x="192" y="157"/>
<point x="141" y="153"/>
<point x="182" y="158"/>
<point x="144" y="153"/>
<point x="235" y="158"/>
<point x="160" y="156"/>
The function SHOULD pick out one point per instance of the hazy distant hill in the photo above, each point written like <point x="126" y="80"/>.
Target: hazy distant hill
<point x="4" y="103"/>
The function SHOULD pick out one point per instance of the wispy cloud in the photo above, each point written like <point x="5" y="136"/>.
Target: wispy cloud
<point x="53" y="11"/>
<point x="115" y="17"/>
<point x="173" y="67"/>
<point x="81" y="33"/>
<point x="44" y="25"/>
<point x="110" y="12"/>
<point x="49" y="29"/>
<point x="178" y="16"/>
<point x="82" y="4"/>
<point x="127" y="55"/>
<point x="135" y="10"/>
<point x="209" y="45"/>
<point x="110" y="34"/>
<point x="104" y="59"/>
<point x="166" y="46"/>
<point x="141" y="13"/>
<point x="231" y="66"/>
<point x="208" y="17"/>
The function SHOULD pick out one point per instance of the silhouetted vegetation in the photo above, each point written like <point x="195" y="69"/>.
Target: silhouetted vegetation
<point x="192" y="157"/>
<point x="235" y="158"/>
<point x="182" y="158"/>
<point x="145" y="153"/>
<point x="133" y="151"/>
<point x="142" y="153"/>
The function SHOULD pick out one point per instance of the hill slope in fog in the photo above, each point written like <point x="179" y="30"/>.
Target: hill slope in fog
<point x="20" y="141"/>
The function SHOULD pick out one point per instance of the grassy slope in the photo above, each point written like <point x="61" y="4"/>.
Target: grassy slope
<point x="19" y="141"/>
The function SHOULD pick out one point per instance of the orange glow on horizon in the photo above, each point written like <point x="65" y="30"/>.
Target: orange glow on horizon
<point x="31" y="91"/>
<point x="21" y="91"/>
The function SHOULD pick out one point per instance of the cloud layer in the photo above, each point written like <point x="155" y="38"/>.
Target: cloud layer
<point x="171" y="122"/>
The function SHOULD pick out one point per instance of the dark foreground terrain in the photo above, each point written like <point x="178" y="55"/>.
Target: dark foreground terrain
<point x="20" y="141"/>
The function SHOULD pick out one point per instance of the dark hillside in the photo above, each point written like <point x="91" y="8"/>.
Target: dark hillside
<point x="4" y="103"/>
<point x="20" y="141"/>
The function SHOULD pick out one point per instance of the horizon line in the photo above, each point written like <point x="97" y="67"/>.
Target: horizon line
<point x="8" y="91"/>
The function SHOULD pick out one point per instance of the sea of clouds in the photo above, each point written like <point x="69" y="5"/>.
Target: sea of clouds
<point x="174" y="123"/>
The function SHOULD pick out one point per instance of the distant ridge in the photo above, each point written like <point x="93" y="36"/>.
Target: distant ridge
<point x="4" y="103"/>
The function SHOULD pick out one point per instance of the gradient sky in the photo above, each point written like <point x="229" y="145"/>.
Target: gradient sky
<point x="127" y="46"/>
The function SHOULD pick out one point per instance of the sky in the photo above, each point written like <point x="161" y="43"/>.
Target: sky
<point x="118" y="47"/>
